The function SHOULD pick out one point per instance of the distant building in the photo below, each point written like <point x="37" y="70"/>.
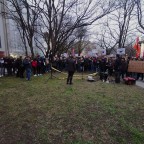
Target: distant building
<point x="11" y="43"/>
<point x="4" y="46"/>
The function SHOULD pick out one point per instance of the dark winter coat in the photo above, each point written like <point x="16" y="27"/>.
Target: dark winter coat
<point x="27" y="64"/>
<point x="71" y="66"/>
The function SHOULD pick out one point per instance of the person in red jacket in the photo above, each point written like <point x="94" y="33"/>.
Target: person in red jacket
<point x="34" y="67"/>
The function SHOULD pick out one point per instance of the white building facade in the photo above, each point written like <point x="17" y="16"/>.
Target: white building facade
<point x="4" y="46"/>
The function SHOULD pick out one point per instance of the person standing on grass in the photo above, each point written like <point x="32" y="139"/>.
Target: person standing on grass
<point x="71" y="67"/>
<point x="34" y="67"/>
<point x="117" y="66"/>
<point x="28" y="67"/>
<point x="20" y="67"/>
<point x="39" y="65"/>
<point x="123" y="67"/>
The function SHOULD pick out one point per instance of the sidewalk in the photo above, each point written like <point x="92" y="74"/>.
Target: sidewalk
<point x="140" y="83"/>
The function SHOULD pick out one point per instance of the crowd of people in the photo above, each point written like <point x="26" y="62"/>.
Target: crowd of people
<point x="10" y="66"/>
<point x="38" y="66"/>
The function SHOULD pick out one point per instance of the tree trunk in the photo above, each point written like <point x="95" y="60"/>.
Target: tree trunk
<point x="31" y="48"/>
<point x="24" y="40"/>
<point x="26" y="52"/>
<point x="79" y="48"/>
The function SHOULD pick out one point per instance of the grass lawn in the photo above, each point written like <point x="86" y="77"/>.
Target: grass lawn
<point x="47" y="111"/>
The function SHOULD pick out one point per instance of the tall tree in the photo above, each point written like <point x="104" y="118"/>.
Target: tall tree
<point x="140" y="15"/>
<point x="60" y="19"/>
<point x="81" y="35"/>
<point x="118" y="29"/>
<point x="24" y="13"/>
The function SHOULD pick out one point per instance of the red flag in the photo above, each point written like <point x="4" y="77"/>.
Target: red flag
<point x="137" y="47"/>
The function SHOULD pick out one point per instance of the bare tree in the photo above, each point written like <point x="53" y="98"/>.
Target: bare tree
<point x="60" y="19"/>
<point x="106" y="39"/>
<point x="24" y="13"/>
<point x="124" y="20"/>
<point x="23" y="38"/>
<point x="140" y="15"/>
<point x="118" y="29"/>
<point x="81" y="37"/>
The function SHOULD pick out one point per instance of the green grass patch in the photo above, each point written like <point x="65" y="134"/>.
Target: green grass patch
<point x="48" y="111"/>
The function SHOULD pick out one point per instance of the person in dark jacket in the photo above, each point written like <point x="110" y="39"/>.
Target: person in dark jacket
<point x="117" y="63"/>
<point x="117" y="66"/>
<point x="9" y="66"/>
<point x="20" y="67"/>
<point x="28" y="67"/>
<point x="71" y="66"/>
<point x="38" y="65"/>
<point x="110" y="67"/>
<point x="123" y="67"/>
